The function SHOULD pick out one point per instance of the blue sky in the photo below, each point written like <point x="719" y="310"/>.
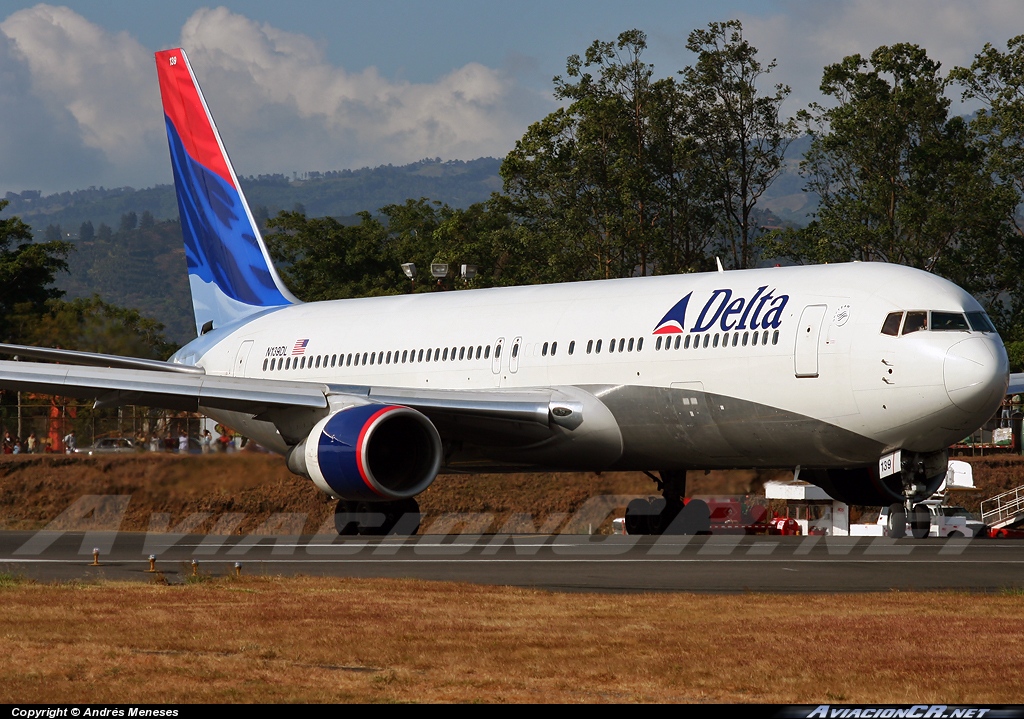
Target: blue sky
<point x="327" y="85"/>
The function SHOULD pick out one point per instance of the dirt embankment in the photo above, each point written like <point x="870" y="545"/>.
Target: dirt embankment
<point x="242" y="493"/>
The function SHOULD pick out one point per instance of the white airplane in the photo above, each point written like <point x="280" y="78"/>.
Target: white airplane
<point x="858" y="375"/>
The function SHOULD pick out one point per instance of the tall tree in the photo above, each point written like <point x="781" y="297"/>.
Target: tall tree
<point x="92" y="325"/>
<point x="899" y="179"/>
<point x="997" y="79"/>
<point x="27" y="272"/>
<point x="608" y="184"/>
<point x="322" y="259"/>
<point x="743" y="138"/>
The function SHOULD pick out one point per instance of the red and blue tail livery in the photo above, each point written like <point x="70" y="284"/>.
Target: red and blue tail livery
<point x="230" y="272"/>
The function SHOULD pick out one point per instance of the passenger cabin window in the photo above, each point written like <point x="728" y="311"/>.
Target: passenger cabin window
<point x="572" y="346"/>
<point x="915" y="322"/>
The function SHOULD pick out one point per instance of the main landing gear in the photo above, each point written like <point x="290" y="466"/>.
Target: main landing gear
<point x="377" y="519"/>
<point x="670" y="513"/>
<point x="918" y="517"/>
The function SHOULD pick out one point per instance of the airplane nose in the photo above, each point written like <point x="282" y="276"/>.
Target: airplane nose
<point x="975" y="374"/>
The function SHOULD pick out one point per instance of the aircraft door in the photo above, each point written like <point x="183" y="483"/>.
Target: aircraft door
<point x="241" y="358"/>
<point x="496" y="358"/>
<point x="805" y="355"/>
<point x="513" y="357"/>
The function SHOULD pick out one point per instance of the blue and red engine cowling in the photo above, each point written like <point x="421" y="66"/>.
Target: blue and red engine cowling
<point x="370" y="452"/>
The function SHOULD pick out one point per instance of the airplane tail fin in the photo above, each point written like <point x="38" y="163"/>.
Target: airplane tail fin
<point x="230" y="272"/>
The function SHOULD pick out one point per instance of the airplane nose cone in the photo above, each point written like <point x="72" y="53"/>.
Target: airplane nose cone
<point x="975" y="374"/>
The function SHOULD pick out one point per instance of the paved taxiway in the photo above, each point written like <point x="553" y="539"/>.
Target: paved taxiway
<point x="558" y="562"/>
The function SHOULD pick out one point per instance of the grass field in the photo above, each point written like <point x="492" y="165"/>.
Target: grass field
<point x="260" y="639"/>
<point x="267" y="639"/>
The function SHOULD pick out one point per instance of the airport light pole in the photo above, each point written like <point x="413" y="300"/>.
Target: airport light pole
<point x="409" y="268"/>
<point x="439" y="270"/>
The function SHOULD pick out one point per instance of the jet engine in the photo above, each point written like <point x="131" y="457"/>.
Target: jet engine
<point x="370" y="452"/>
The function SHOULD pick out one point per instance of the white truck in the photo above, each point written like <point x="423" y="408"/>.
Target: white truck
<point x="942" y="521"/>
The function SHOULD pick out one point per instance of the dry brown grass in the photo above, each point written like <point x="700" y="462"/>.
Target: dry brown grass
<point x="259" y="639"/>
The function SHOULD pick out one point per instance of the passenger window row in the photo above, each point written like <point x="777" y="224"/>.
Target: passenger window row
<point x="436" y="354"/>
<point x="620" y="344"/>
<point x="714" y="340"/>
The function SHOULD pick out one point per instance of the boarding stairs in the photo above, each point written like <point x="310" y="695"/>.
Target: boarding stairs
<point x="1004" y="510"/>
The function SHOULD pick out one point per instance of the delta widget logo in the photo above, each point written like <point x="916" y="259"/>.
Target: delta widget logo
<point x="727" y="311"/>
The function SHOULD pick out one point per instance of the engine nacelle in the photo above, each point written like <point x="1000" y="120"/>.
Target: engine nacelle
<point x="370" y="452"/>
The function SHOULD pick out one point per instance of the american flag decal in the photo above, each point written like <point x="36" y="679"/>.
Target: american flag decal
<point x="300" y="347"/>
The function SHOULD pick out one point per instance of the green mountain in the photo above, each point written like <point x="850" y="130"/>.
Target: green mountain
<point x="337" y="194"/>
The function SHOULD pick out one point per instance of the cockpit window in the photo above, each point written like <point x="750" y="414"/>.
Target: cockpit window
<point x="942" y="321"/>
<point x="915" y="322"/>
<point x="980" y="322"/>
<point x="891" y="326"/>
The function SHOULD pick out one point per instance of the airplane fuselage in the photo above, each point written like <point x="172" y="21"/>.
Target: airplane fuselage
<point x="771" y="367"/>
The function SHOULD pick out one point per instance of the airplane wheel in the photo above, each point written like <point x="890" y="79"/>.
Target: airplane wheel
<point x="345" y="521"/>
<point x="692" y="518"/>
<point x="372" y="519"/>
<point x="403" y="518"/>
<point x="897" y="521"/>
<point x="920" y="521"/>
<point x="636" y="516"/>
<point x="656" y="519"/>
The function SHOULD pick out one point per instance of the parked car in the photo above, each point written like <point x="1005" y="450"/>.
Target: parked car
<point x="108" y="445"/>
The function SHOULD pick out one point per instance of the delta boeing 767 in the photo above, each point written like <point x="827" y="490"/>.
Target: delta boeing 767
<point x="860" y="375"/>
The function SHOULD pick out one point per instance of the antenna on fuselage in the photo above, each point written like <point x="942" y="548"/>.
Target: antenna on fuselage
<point x="718" y="261"/>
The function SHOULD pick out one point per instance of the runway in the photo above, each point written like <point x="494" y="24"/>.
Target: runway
<point x="562" y="562"/>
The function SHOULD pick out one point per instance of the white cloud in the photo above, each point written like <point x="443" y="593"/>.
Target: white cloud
<point x="263" y="83"/>
<point x="280" y="105"/>
<point x="102" y="81"/>
<point x="809" y="35"/>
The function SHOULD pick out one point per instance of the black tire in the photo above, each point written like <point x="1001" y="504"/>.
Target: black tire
<point x="404" y="518"/>
<point x="345" y="521"/>
<point x="897" y="521"/>
<point x="920" y="521"/>
<point x="636" y="516"/>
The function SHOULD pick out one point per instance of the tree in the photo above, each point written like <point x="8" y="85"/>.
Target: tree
<point x="742" y="138"/>
<point x="27" y="272"/>
<point x="322" y="259"/>
<point x="609" y="186"/>
<point x="92" y="325"/>
<point x="997" y="80"/>
<point x="899" y="180"/>
<point x="86" y="233"/>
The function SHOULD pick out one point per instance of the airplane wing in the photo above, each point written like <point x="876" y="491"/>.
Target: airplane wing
<point x="95" y="359"/>
<point x="171" y="389"/>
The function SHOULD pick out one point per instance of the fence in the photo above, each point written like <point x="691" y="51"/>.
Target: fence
<point x="50" y="420"/>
